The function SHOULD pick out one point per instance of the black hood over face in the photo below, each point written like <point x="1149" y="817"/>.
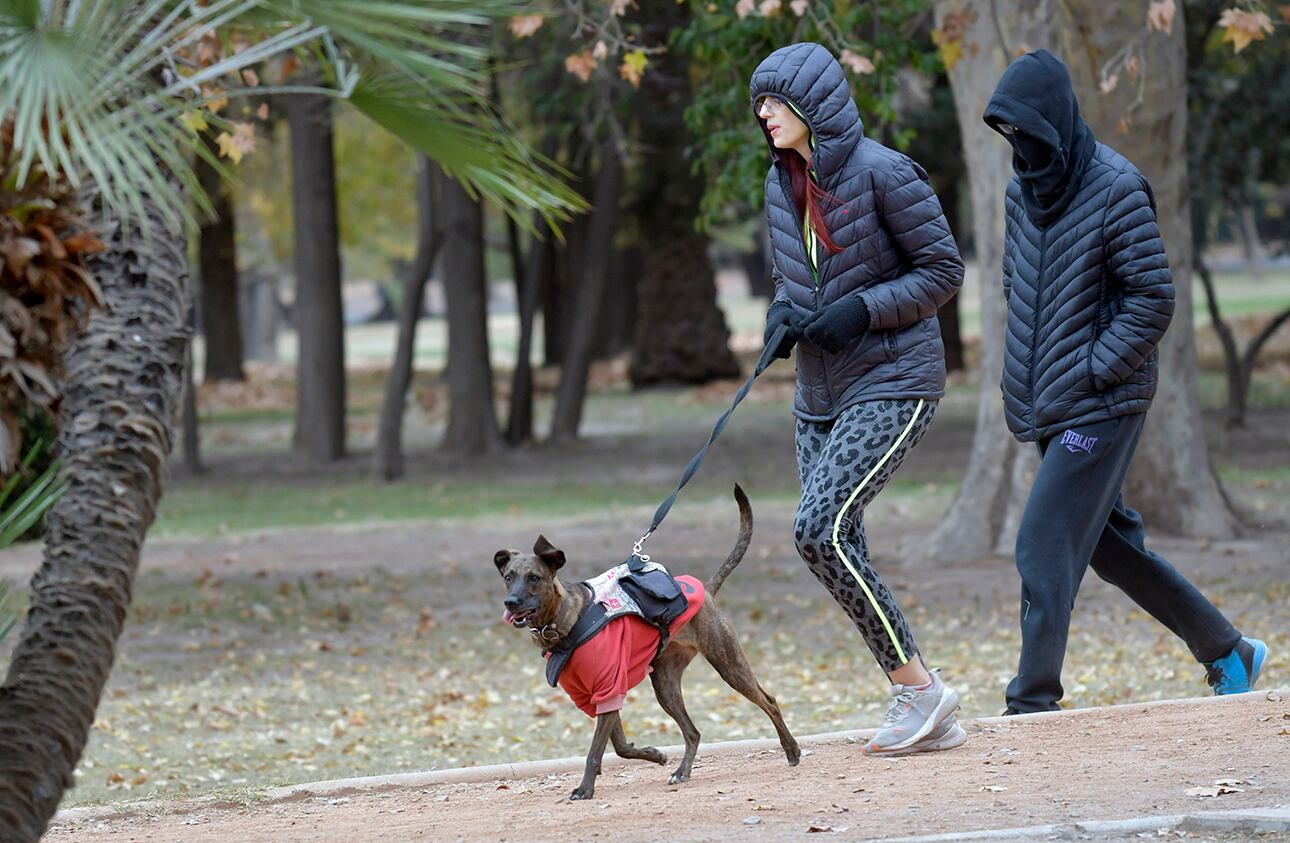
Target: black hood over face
<point x="1052" y="145"/>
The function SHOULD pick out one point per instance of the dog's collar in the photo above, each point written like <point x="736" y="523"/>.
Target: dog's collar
<point x="547" y="634"/>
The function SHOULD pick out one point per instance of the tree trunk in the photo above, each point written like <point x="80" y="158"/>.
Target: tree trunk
<point x="952" y="335"/>
<point x="319" y="320"/>
<point x="984" y="515"/>
<point x="472" y="418"/>
<point x="530" y="281"/>
<point x="1251" y="356"/>
<point x="756" y="265"/>
<point x="218" y="278"/>
<point x="1238" y="365"/>
<point x="554" y="295"/>
<point x="192" y="435"/>
<point x="1172" y="480"/>
<point x="122" y="393"/>
<point x="1231" y="354"/>
<point x="948" y="315"/>
<point x="560" y="299"/>
<point x="1256" y="254"/>
<point x="593" y="269"/>
<point x="387" y="459"/>
<point x="681" y="333"/>
<point x="619" y="316"/>
<point x="262" y="316"/>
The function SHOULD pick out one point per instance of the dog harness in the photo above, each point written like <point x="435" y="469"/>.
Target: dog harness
<point x="628" y="621"/>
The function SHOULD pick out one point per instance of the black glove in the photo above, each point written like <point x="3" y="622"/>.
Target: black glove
<point x="832" y="327"/>
<point x="783" y="313"/>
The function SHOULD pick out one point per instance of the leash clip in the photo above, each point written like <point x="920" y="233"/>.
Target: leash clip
<point x="636" y="548"/>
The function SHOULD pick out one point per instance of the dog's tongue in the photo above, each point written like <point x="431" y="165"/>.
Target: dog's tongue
<point x="508" y="616"/>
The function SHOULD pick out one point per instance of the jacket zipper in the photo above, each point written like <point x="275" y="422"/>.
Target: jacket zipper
<point x="801" y="233"/>
<point x="1034" y="329"/>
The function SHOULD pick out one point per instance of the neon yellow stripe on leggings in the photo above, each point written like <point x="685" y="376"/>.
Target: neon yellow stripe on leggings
<point x="837" y="529"/>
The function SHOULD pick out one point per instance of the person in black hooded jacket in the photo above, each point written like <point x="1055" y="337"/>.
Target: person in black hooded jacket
<point x="863" y="259"/>
<point x="1089" y="297"/>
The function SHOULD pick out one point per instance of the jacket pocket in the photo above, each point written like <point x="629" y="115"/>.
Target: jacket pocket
<point x="1088" y="365"/>
<point x="873" y="347"/>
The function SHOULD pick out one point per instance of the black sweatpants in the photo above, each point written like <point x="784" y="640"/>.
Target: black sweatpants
<point x="1075" y="517"/>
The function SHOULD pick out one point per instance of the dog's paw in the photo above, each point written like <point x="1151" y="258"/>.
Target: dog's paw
<point x="678" y="778"/>
<point x="794" y="754"/>
<point x="653" y="756"/>
<point x="582" y="792"/>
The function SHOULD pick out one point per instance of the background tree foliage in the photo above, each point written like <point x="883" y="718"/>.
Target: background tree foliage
<point x="373" y="178"/>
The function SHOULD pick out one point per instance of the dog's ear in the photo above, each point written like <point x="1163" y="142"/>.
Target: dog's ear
<point x="501" y="558"/>
<point x="548" y="553"/>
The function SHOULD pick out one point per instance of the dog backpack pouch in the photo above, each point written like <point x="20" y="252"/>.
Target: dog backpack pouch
<point x="658" y="594"/>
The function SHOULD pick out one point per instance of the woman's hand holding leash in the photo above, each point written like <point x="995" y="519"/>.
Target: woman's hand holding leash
<point x="832" y="327"/>
<point x="782" y="314"/>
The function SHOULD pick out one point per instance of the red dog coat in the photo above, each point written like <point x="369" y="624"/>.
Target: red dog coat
<point x="601" y="672"/>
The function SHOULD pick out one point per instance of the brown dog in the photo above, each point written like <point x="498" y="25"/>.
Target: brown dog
<point x="538" y="599"/>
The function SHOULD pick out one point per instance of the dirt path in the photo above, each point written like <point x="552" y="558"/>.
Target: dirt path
<point x="1099" y="764"/>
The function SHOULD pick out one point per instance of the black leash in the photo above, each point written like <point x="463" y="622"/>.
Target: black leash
<point x="767" y="357"/>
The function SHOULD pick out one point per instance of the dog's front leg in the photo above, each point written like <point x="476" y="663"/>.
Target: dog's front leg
<point x="605" y="725"/>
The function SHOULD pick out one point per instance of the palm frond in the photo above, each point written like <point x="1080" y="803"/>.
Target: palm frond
<point x="96" y="89"/>
<point x="21" y="515"/>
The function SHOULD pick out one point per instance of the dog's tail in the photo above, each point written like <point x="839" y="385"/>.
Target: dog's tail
<point x="741" y="544"/>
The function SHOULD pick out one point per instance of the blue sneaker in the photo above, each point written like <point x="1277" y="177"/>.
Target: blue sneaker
<point x="1238" y="671"/>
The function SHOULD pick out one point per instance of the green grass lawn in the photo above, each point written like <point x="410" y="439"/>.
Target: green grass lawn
<point x="367" y="345"/>
<point x="203" y="510"/>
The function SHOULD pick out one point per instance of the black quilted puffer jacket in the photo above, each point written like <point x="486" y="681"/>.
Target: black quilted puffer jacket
<point x="897" y="253"/>
<point x="1084" y="269"/>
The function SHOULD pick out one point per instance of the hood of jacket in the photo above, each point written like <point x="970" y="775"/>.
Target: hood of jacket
<point x="810" y="80"/>
<point x="1052" y="145"/>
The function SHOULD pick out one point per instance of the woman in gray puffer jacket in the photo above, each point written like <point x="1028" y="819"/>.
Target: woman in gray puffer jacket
<point x="863" y="259"/>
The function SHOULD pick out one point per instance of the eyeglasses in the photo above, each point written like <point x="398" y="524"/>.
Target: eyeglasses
<point x="1007" y="128"/>
<point x="769" y="105"/>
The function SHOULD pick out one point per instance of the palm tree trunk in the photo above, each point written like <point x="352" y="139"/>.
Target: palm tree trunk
<point x="123" y="390"/>
<point x="387" y="460"/>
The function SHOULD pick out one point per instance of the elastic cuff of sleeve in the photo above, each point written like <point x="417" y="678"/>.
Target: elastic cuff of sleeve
<point x="614" y="703"/>
<point x="862" y="315"/>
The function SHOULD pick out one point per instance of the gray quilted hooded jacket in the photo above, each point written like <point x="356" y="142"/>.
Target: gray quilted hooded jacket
<point x="1084" y="269"/>
<point x="897" y="253"/>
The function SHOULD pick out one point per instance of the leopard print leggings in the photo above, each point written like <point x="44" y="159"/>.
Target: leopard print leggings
<point x="844" y="464"/>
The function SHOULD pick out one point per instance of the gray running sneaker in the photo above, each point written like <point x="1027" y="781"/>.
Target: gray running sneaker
<point x="947" y="735"/>
<point x="913" y="715"/>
